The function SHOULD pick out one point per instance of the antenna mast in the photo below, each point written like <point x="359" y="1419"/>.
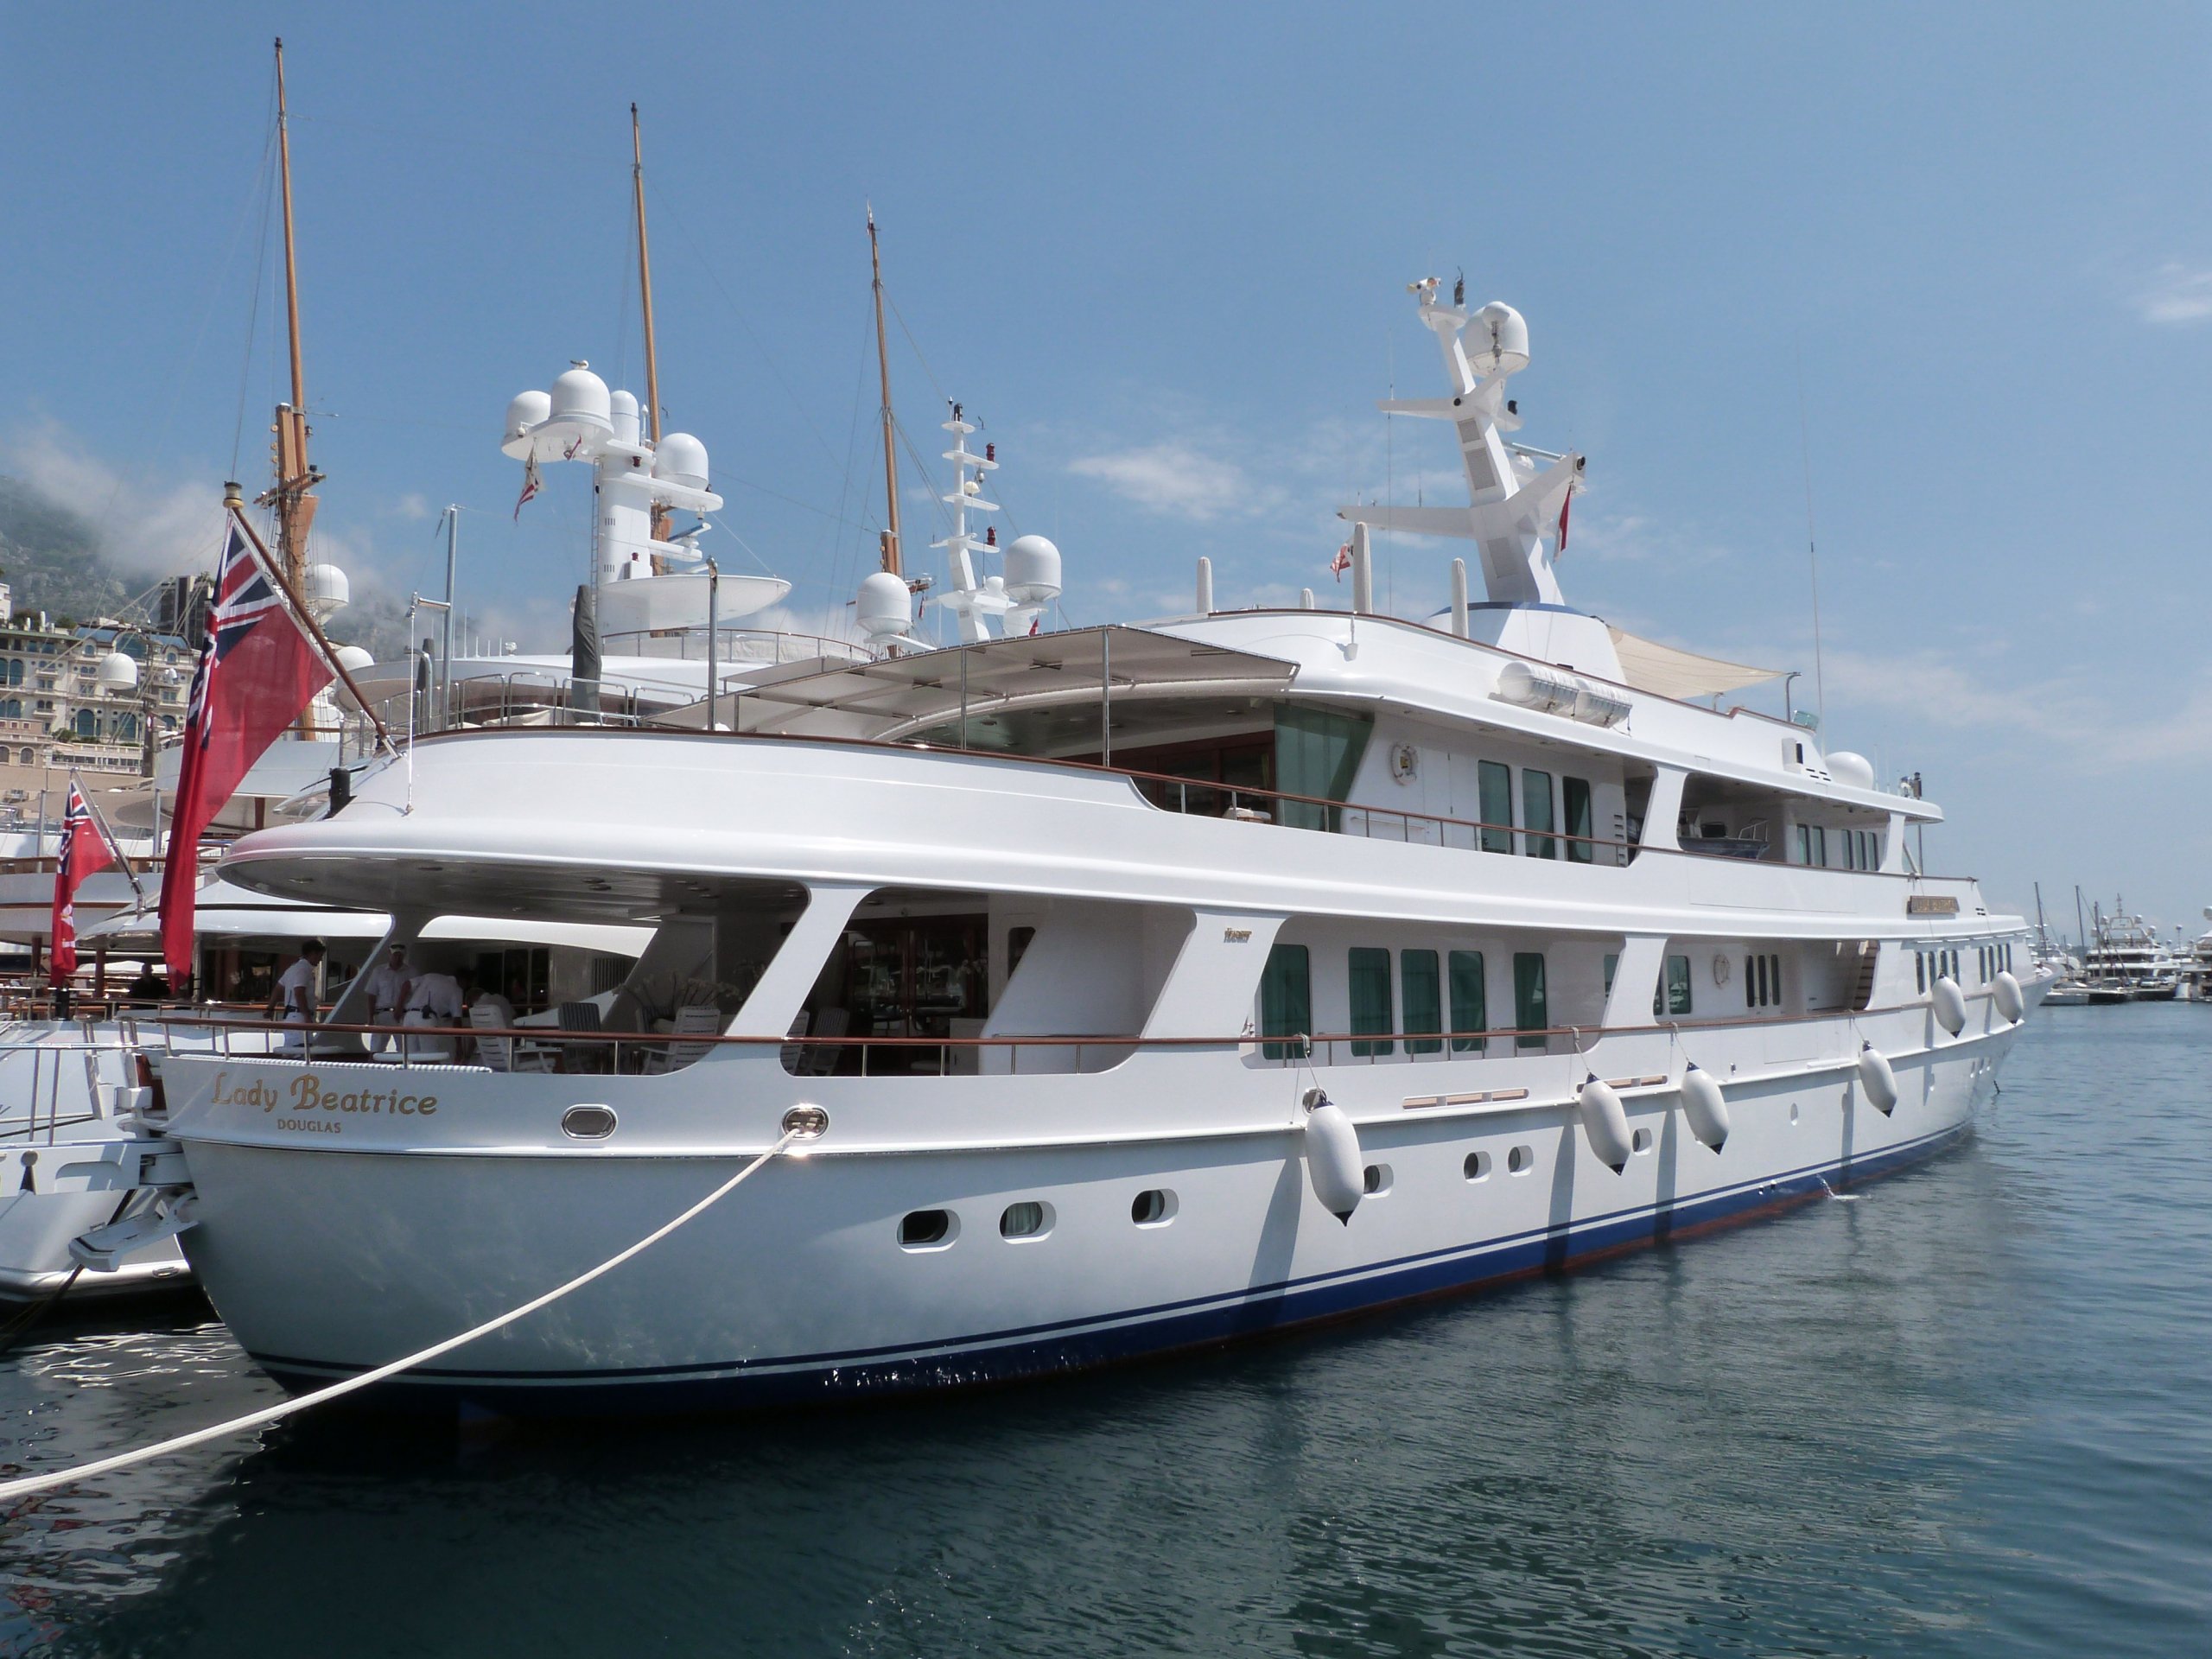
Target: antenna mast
<point x="292" y="494"/>
<point x="661" y="521"/>
<point x="890" y="562"/>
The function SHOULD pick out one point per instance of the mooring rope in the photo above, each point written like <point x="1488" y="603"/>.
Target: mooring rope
<point x="300" y="1402"/>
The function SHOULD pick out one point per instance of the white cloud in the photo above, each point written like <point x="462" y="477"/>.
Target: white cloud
<point x="1173" y="478"/>
<point x="411" y="505"/>
<point x="146" y="530"/>
<point x="2177" y="294"/>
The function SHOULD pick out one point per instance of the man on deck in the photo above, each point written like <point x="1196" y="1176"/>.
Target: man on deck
<point x="389" y="984"/>
<point x="295" y="998"/>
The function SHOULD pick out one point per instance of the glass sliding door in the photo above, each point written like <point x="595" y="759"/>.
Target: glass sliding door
<point x="1531" y="1007"/>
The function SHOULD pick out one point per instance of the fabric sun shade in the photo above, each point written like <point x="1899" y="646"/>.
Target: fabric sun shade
<point x="1649" y="666"/>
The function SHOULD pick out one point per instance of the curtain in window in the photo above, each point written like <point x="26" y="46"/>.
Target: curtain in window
<point x="1470" y="1008"/>
<point x="1286" y="1001"/>
<point x="1369" y="970"/>
<point x="1317" y="753"/>
<point x="1574" y="794"/>
<point x="1536" y="812"/>
<point x="1419" y="984"/>
<point x="1531" y="1010"/>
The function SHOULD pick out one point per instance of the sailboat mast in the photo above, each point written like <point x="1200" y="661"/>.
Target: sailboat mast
<point x="891" y="561"/>
<point x="662" y="524"/>
<point x="296" y="479"/>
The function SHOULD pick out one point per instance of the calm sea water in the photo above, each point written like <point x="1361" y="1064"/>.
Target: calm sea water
<point x="1966" y="1412"/>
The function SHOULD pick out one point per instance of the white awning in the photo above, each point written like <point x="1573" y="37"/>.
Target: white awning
<point x="1649" y="666"/>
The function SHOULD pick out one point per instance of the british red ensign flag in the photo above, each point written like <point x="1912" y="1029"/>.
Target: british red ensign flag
<point x="85" y="850"/>
<point x="259" y="671"/>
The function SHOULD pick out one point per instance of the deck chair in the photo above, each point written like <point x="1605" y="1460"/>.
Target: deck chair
<point x="793" y="1052"/>
<point x="583" y="1017"/>
<point x="820" y="1059"/>
<point x="504" y="1053"/>
<point x="692" y="1020"/>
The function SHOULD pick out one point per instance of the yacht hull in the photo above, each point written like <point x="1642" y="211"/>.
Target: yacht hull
<point x="795" y="1287"/>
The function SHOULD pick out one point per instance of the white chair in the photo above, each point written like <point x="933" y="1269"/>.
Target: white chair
<point x="504" y="1053"/>
<point x="692" y="1020"/>
<point x="820" y="1059"/>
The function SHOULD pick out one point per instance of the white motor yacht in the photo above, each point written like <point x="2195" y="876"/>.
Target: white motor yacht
<point x="1102" y="992"/>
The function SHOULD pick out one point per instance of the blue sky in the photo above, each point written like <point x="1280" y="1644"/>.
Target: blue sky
<point x="1162" y="252"/>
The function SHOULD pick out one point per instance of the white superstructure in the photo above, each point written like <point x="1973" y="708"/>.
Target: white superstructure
<point x="1149" y="986"/>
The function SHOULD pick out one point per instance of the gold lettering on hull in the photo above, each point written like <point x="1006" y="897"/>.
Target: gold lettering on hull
<point x="309" y="1092"/>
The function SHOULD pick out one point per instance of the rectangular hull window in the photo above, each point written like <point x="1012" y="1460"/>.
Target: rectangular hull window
<point x="1470" y="1007"/>
<point x="1531" y="1009"/>
<point x="1575" y="796"/>
<point x="1286" y="1001"/>
<point x="1495" y="781"/>
<point x="1672" y="999"/>
<point x="1369" y="972"/>
<point x="1421" y="985"/>
<point x="1536" y="813"/>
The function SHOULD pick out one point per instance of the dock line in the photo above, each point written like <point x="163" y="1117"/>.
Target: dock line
<point x="300" y="1402"/>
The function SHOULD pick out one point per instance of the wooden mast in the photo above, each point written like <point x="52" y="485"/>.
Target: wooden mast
<point x="662" y="524"/>
<point x="890" y="562"/>
<point x="293" y="494"/>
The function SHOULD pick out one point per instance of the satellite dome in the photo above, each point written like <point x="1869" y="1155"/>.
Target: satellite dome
<point x="624" y="410"/>
<point x="326" y="589"/>
<point x="1033" y="571"/>
<point x="885" y="610"/>
<point x="580" y="398"/>
<point x="354" y="658"/>
<point x="118" y="671"/>
<point x="526" y="409"/>
<point x="1853" y="771"/>
<point x="1497" y="340"/>
<point x="681" y="458"/>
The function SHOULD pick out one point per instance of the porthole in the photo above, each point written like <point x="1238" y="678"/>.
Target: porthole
<point x="1793" y="1111"/>
<point x="1477" y="1168"/>
<point x="1027" y="1219"/>
<point x="587" y="1122"/>
<point x="1640" y="1141"/>
<point x="1376" y="1180"/>
<point x="1154" y="1207"/>
<point x="1519" y="1161"/>
<point x="926" y="1229"/>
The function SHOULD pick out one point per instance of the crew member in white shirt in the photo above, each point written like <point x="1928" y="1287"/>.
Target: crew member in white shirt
<point x="434" y="1000"/>
<point x="389" y="984"/>
<point x="295" y="992"/>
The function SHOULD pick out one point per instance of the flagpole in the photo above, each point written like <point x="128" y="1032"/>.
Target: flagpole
<point x="234" y="498"/>
<point x="107" y="834"/>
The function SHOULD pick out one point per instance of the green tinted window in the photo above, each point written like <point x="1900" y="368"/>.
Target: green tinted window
<point x="1496" y="779"/>
<point x="1470" y="1007"/>
<point x="1369" y="970"/>
<point x="1317" y="753"/>
<point x="1423" y="1000"/>
<point x="1673" y="996"/>
<point x="1286" y="1001"/>
<point x="1574" y="797"/>
<point x="1531" y="1011"/>
<point x="1536" y="813"/>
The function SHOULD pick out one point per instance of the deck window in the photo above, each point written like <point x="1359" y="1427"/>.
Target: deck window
<point x="1317" y="753"/>
<point x="1470" y="1005"/>
<point x="1531" y="1009"/>
<point x="1421" y="994"/>
<point x="1536" y="813"/>
<point x="1574" y="797"/>
<point x="1286" y="1001"/>
<point x="1673" y="996"/>
<point x="1495" y="780"/>
<point x="1368" y="970"/>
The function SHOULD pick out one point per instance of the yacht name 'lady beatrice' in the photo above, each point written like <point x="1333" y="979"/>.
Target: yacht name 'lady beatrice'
<point x="1098" y="992"/>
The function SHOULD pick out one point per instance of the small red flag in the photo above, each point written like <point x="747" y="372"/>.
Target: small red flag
<point x="85" y="851"/>
<point x="1342" y="562"/>
<point x="259" y="671"/>
<point x="1564" y="502"/>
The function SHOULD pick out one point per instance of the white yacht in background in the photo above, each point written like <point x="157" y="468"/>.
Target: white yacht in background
<point x="2127" y="961"/>
<point x="2197" y="968"/>
<point x="1135" y="986"/>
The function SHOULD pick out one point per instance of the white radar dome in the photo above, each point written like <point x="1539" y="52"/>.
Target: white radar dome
<point x="623" y="409"/>
<point x="1498" y="342"/>
<point x="885" y="610"/>
<point x="581" y="396"/>
<point x="354" y="658"/>
<point x="118" y="671"/>
<point x="326" y="589"/>
<point x="681" y="458"/>
<point x="1032" y="570"/>
<point x="526" y="411"/>
<point x="1853" y="771"/>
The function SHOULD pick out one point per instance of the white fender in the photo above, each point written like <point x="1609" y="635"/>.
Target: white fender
<point x="2005" y="991"/>
<point x="1875" y="1081"/>
<point x="1333" y="1162"/>
<point x="1705" y="1107"/>
<point x="1950" y="1005"/>
<point x="1605" y="1120"/>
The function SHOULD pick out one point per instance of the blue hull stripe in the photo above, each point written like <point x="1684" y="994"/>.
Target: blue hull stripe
<point x="1098" y="1339"/>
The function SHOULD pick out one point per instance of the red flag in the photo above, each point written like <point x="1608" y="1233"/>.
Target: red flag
<point x="1342" y="562"/>
<point x="1563" y="503"/>
<point x="531" y="486"/>
<point x="85" y="851"/>
<point x="259" y="671"/>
